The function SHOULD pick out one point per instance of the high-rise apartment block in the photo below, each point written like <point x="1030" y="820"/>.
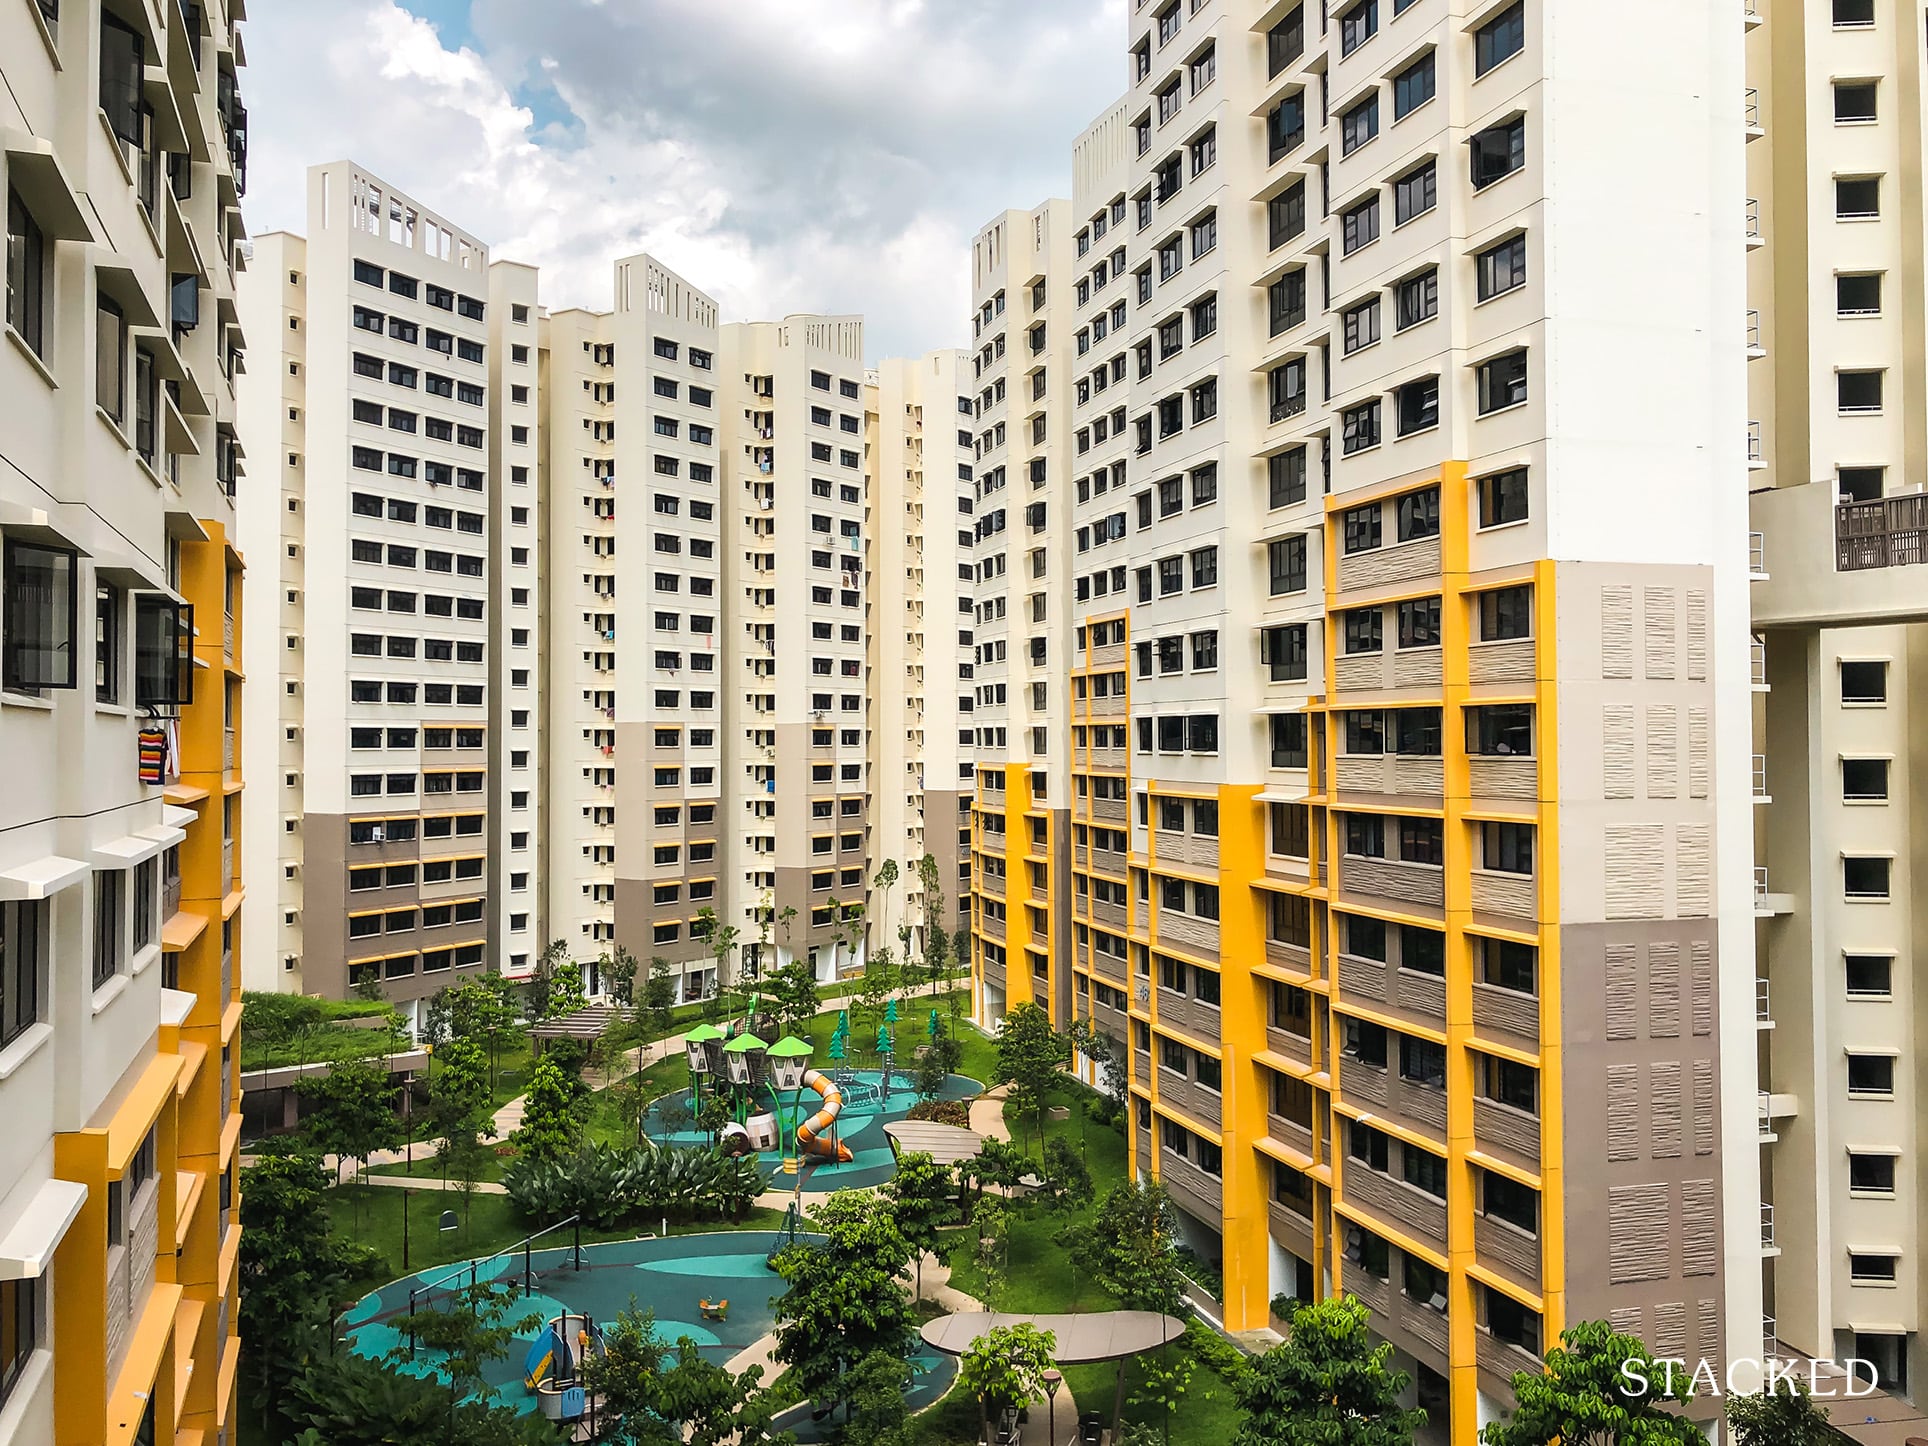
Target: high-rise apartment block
<point x="1395" y="584"/>
<point x="493" y="735"/>
<point x="1835" y="379"/>
<point x="402" y="414"/>
<point x="124" y="159"/>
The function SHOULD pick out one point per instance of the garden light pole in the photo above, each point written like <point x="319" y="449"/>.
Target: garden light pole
<point x="1053" y="1378"/>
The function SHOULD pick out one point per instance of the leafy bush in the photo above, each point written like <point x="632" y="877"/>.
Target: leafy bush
<point x="943" y="1112"/>
<point x="609" y="1185"/>
<point x="1224" y="1358"/>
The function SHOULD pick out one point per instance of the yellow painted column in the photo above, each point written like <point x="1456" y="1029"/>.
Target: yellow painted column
<point x="1246" y="1222"/>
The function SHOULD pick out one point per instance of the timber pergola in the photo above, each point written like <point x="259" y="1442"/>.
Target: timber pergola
<point x="1085" y="1338"/>
<point x="946" y="1144"/>
<point x="586" y="1024"/>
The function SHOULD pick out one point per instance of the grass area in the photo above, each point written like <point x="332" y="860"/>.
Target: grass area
<point x="372" y="1216"/>
<point x="279" y="1030"/>
<point x="1040" y="1278"/>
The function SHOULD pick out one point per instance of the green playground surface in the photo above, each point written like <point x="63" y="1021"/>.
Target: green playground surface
<point x="867" y="1108"/>
<point x="670" y="1276"/>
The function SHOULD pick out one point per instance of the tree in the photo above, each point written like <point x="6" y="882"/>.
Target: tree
<point x="627" y="1374"/>
<point x="1782" y="1414"/>
<point x="484" y="1010"/>
<point x="349" y="1112"/>
<point x="566" y="994"/>
<point x="878" y="1416"/>
<point x="291" y="1270"/>
<point x="1029" y="1054"/>
<point x="884" y="881"/>
<point x="550" y="1124"/>
<point x="471" y="1330"/>
<point x="937" y="950"/>
<point x="1128" y="1248"/>
<point x="716" y="1406"/>
<point x="1067" y="1180"/>
<point x="1328" y="1385"/>
<point x="1163" y="1386"/>
<point x="553" y="959"/>
<point x="1105" y="1056"/>
<point x="920" y="1194"/>
<point x="844" y="1302"/>
<point x="659" y="999"/>
<point x="347" y="1400"/>
<point x="652" y="1390"/>
<point x="619" y="976"/>
<point x="997" y="1162"/>
<point x="793" y="991"/>
<point x="721" y="939"/>
<point x="1004" y="1369"/>
<point x="1585" y="1397"/>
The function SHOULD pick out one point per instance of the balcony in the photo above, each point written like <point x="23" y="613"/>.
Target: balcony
<point x="1767" y="903"/>
<point x="1756" y="340"/>
<point x="1756" y="447"/>
<point x="1768" y="1247"/>
<point x="1841" y="564"/>
<point x="1755" y="239"/>
<point x="1751" y="114"/>
<point x="1760" y="779"/>
<point x="1763" y="1005"/>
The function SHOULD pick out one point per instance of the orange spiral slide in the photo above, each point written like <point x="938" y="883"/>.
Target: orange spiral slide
<point x="808" y="1141"/>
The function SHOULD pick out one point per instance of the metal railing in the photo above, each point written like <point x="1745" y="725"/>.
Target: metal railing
<point x="1770" y="1337"/>
<point x="1757" y="553"/>
<point x="1760" y="884"/>
<point x="1763" y="1011"/>
<point x="1885" y="532"/>
<point x="1757" y="660"/>
<point x="1767" y="1226"/>
<point x="1753" y="219"/>
<point x="1754" y="342"/>
<point x="1756" y="444"/>
<point x="1764" y="1105"/>
<point x="227" y="636"/>
<point x="1760" y="776"/>
<point x="1751" y="108"/>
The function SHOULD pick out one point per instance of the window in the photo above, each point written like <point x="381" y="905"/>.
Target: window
<point x="1507" y="848"/>
<point x="1418" y="298"/>
<point x="1502" y="382"/>
<point x="1869" y="976"/>
<point x="1359" y="227"/>
<point x="1415" y="193"/>
<point x="1499" y="39"/>
<point x="108" y="604"/>
<point x="1858" y="295"/>
<point x="1866" y="877"/>
<point x="1871" y="1174"/>
<point x="1507" y="965"/>
<point x="1286" y="298"/>
<point x="22" y="947"/>
<point x="1360" y="427"/>
<point x="1285" y="477"/>
<point x="20" y="1328"/>
<point x="38" y="620"/>
<point x="1285" y="215"/>
<point x="1418" y="408"/>
<point x="1413" y="87"/>
<point x="1502" y="268"/>
<point x="1872" y="1269"/>
<point x="1359" y="125"/>
<point x="1871" y="1074"/>
<point x="110" y="358"/>
<point x="1363" y="528"/>
<point x="1500" y="730"/>
<point x="1857" y="198"/>
<point x="1498" y="151"/>
<point x="1864" y="780"/>
<point x="26" y="274"/>
<point x="1503" y="498"/>
<point x="1362" y="326"/>
<point x="1358" y="25"/>
<point x="108" y="892"/>
<point x="1287" y="562"/>
<point x="1854" y="102"/>
<point x="1858" y="391"/>
<point x="1364" y="630"/>
<point x="1861" y="682"/>
<point x="1852" y="13"/>
<point x="1506" y="613"/>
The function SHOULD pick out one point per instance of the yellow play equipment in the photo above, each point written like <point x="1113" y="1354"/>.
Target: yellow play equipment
<point x="714" y="1309"/>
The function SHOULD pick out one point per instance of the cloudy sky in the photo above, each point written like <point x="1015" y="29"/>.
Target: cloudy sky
<point x="785" y="155"/>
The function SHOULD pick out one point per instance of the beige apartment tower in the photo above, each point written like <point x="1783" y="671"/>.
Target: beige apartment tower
<point x="123" y="155"/>
<point x="401" y="413"/>
<point x="1408" y="829"/>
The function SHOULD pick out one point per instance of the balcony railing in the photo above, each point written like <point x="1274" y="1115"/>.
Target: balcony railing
<point x="1290" y="407"/>
<point x="1755" y="342"/>
<point x="1764" y="1113"/>
<point x="1763" y="1011"/>
<point x="1767" y="1226"/>
<point x="1757" y="554"/>
<point x="1887" y="532"/>
<point x="1751" y="109"/>
<point x="1756" y="445"/>
<point x="1754" y="221"/>
<point x="1757" y="661"/>
<point x="1760" y="778"/>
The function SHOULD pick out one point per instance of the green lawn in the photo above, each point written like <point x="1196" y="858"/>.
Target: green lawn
<point x="1039" y="1278"/>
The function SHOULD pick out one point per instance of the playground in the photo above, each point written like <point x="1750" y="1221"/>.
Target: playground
<point x="716" y="1289"/>
<point x="830" y="1122"/>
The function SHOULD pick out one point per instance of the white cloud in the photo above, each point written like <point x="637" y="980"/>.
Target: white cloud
<point x="786" y="155"/>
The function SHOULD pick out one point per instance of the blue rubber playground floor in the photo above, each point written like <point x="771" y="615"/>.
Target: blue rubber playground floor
<point x="866" y="1110"/>
<point x="669" y="1276"/>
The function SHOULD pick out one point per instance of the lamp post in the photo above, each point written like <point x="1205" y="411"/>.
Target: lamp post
<point x="789" y="1058"/>
<point x="1053" y="1378"/>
